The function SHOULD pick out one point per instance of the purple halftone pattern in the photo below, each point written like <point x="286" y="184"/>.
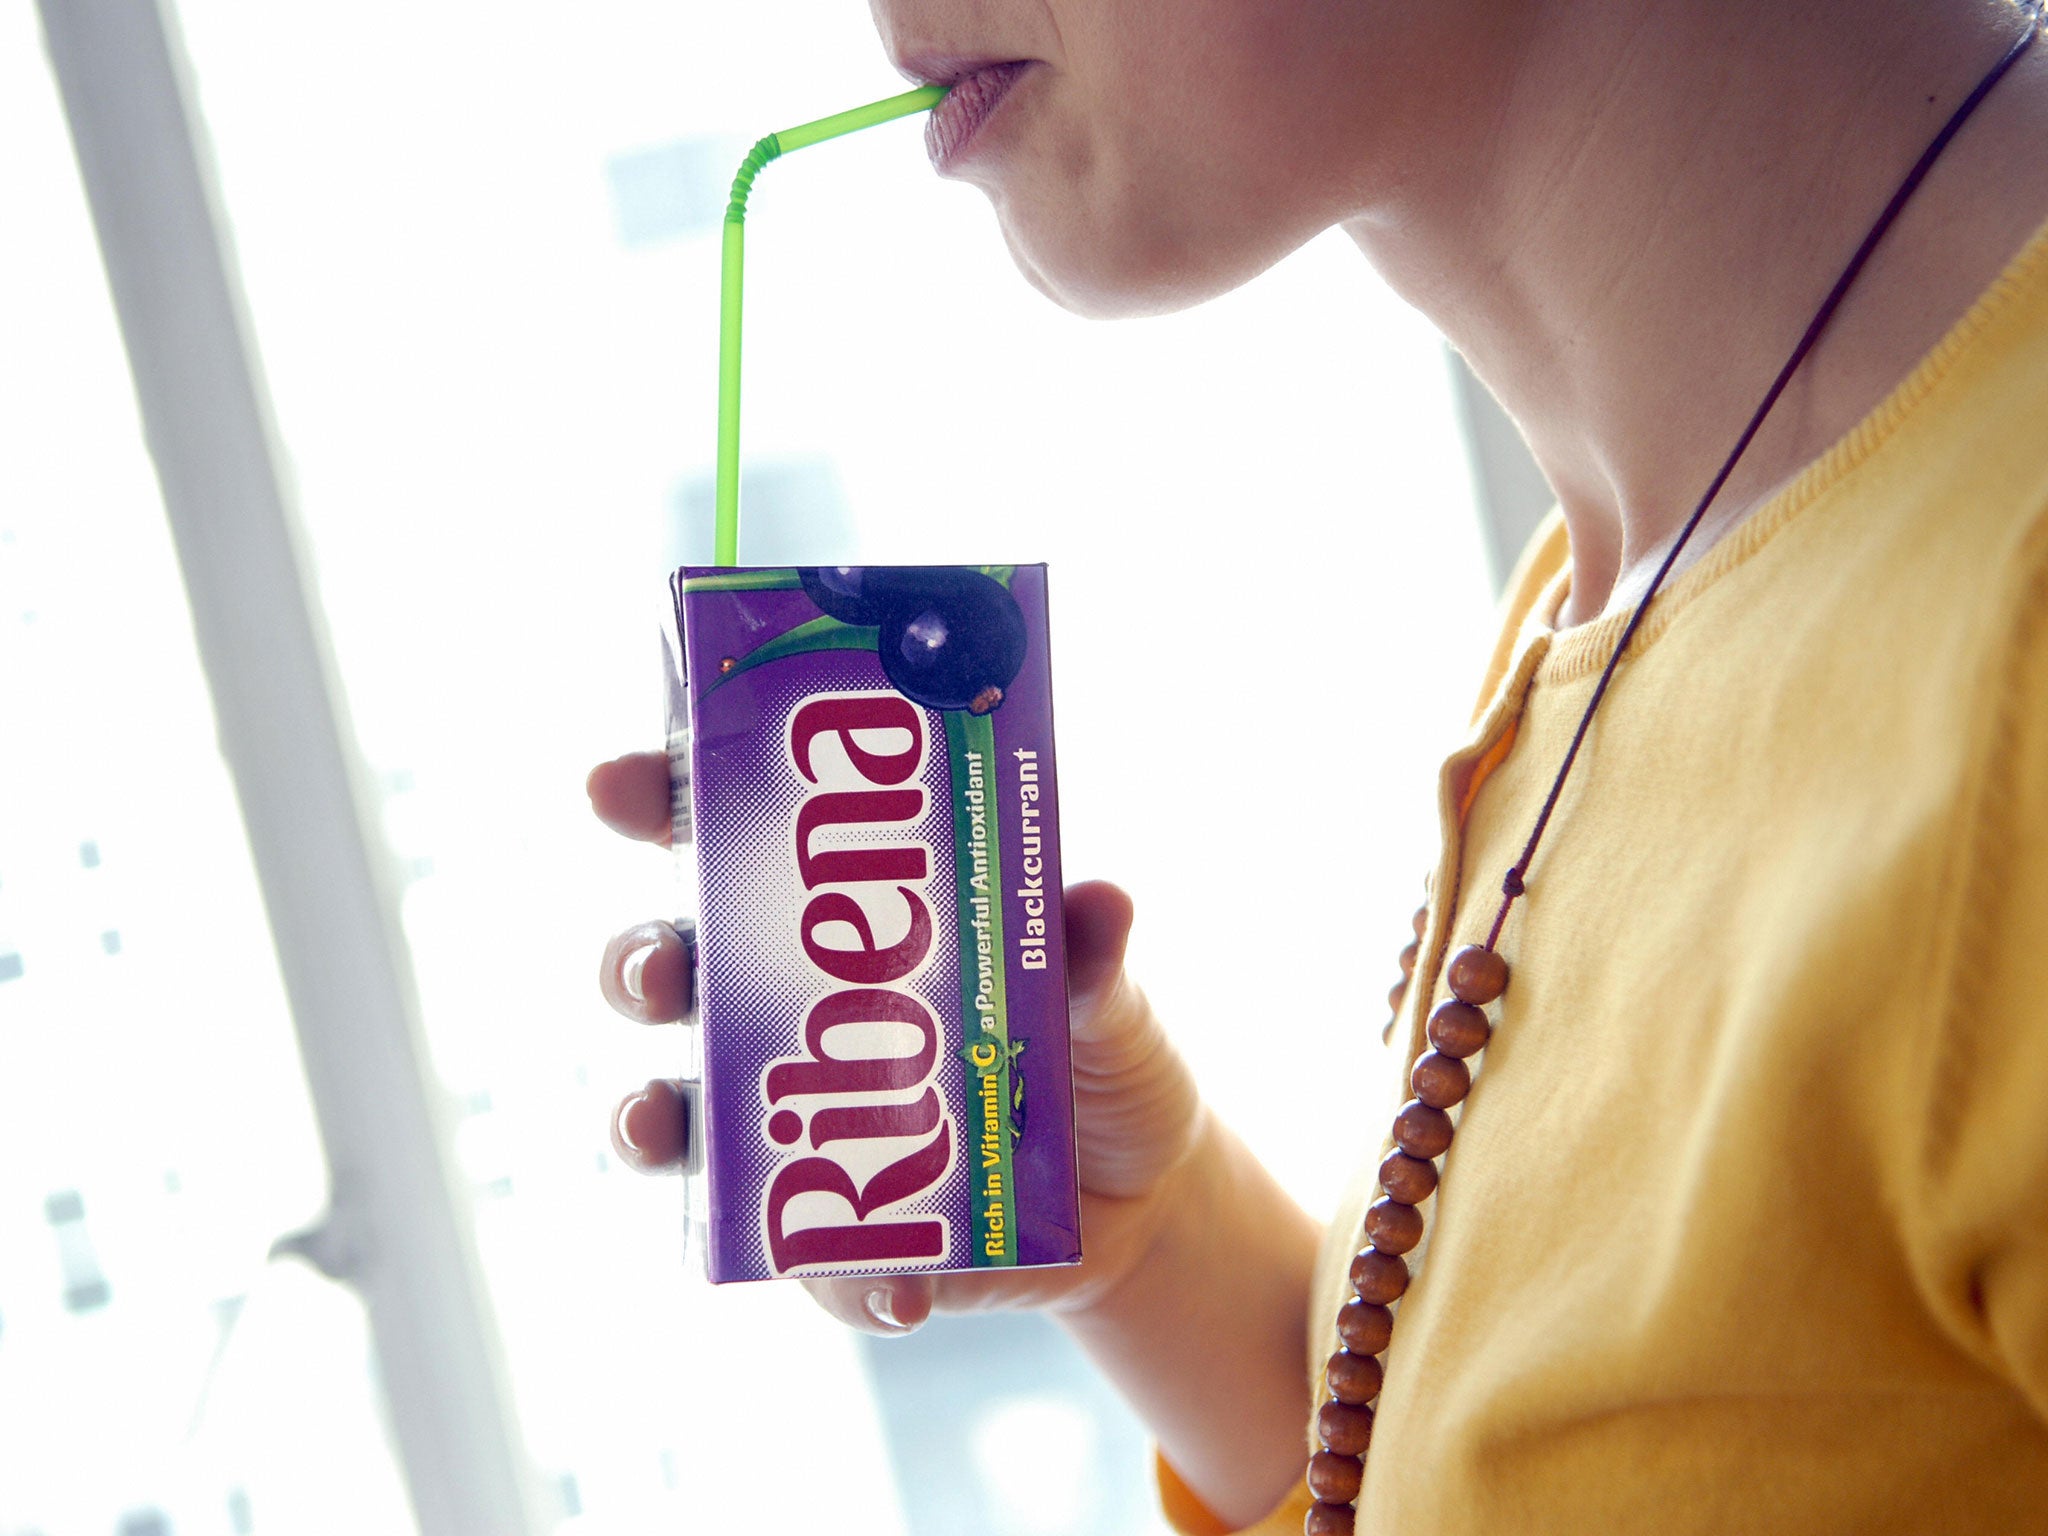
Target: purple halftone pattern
<point x="758" y="984"/>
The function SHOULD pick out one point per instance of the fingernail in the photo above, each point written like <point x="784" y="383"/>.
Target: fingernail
<point x="625" y="1120"/>
<point x="633" y="972"/>
<point x="881" y="1305"/>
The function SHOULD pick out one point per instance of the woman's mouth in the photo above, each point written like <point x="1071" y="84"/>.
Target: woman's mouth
<point x="972" y="101"/>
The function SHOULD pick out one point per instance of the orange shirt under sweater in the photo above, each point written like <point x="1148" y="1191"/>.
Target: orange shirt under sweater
<point x="1745" y="1229"/>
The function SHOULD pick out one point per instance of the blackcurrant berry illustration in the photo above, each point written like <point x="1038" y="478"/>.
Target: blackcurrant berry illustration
<point x="840" y="592"/>
<point x="951" y="638"/>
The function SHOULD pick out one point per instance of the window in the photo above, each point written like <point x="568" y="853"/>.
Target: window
<point x="483" y="285"/>
<point x="157" y="1372"/>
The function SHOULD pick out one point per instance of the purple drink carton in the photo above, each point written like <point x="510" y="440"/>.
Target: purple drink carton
<point x="863" y="768"/>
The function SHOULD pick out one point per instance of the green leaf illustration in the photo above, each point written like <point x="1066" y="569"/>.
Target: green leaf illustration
<point x="773" y="579"/>
<point x="825" y="634"/>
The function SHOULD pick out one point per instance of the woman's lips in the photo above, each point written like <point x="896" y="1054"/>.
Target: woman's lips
<point x="971" y="102"/>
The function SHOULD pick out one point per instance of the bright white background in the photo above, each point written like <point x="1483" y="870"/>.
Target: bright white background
<point x="1270" y="606"/>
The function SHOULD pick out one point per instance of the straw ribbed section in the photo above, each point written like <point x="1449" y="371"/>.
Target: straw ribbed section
<point x="743" y="179"/>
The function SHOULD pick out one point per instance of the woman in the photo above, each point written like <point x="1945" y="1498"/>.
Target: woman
<point x="1746" y="1226"/>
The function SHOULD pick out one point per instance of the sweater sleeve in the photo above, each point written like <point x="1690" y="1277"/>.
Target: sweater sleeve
<point x="1983" y="1250"/>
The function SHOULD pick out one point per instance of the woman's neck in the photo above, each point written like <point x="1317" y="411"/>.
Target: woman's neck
<point x="1630" y="284"/>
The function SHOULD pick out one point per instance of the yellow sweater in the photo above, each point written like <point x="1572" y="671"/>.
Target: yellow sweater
<point x="1745" y="1228"/>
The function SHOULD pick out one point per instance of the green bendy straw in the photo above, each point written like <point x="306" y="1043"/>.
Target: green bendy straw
<point x="726" y="547"/>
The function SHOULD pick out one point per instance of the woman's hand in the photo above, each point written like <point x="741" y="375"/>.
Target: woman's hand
<point x="1137" y="1114"/>
<point x="1192" y="1297"/>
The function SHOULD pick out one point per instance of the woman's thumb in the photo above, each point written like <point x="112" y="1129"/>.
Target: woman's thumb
<point x="1098" y="929"/>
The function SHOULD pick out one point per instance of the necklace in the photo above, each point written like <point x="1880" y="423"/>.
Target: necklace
<point x="1477" y="975"/>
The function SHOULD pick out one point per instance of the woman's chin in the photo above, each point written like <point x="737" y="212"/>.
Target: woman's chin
<point x="1106" y="279"/>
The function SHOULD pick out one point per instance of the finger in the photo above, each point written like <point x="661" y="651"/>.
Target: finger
<point x="630" y="795"/>
<point x="651" y="1128"/>
<point x="888" y="1305"/>
<point x="1112" y="1023"/>
<point x="1136" y="1106"/>
<point x="646" y="974"/>
<point x="1098" y="931"/>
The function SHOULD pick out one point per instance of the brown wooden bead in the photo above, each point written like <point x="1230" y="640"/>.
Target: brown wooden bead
<point x="1364" y="1326"/>
<point x="1477" y="975"/>
<point x="1408" y="960"/>
<point x="1459" y="1029"/>
<point x="1344" y="1429"/>
<point x="1422" y="1131"/>
<point x="1353" y="1378"/>
<point x="1393" y="1225"/>
<point x="1335" y="1479"/>
<point x="1421" y="921"/>
<point x="1379" y="1277"/>
<point x="1397" y="994"/>
<point x="1330" y="1520"/>
<point x="1439" y="1080"/>
<point x="1410" y="1180"/>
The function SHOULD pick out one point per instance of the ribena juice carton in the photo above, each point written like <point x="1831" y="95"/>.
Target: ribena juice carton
<point x="864" y="775"/>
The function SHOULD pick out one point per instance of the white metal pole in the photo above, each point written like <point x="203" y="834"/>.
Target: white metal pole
<point x="398" y="1230"/>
